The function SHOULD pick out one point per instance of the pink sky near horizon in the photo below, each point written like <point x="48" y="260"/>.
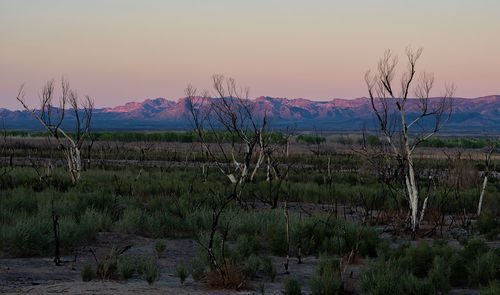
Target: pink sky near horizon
<point x="119" y="50"/>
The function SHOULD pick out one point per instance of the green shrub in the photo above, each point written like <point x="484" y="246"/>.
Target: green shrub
<point x="420" y="259"/>
<point x="160" y="246"/>
<point x="70" y="232"/>
<point x="401" y="250"/>
<point x="197" y="269"/>
<point x="245" y="246"/>
<point x="87" y="273"/>
<point x="369" y="241"/>
<point x="411" y="285"/>
<point x="336" y="237"/>
<point x="182" y="273"/>
<point x="268" y="268"/>
<point x="488" y="225"/>
<point x="442" y="249"/>
<point x="150" y="270"/>
<point x="252" y="266"/>
<point x="310" y="139"/>
<point x="459" y="271"/>
<point x="276" y="236"/>
<point x="28" y="236"/>
<point x="108" y="266"/>
<point x="475" y="248"/>
<point x="384" y="250"/>
<point x="292" y="287"/>
<point x="492" y="289"/>
<point x="326" y="280"/>
<point x="439" y="274"/>
<point x="372" y="140"/>
<point x="133" y="222"/>
<point x="126" y="266"/>
<point x="383" y="278"/>
<point x="485" y="268"/>
<point x="91" y="222"/>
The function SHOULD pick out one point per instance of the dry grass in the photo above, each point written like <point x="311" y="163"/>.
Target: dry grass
<point x="233" y="279"/>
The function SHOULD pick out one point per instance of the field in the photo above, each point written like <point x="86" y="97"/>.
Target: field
<point x="156" y="216"/>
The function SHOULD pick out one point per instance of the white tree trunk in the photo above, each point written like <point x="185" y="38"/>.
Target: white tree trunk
<point x="412" y="194"/>
<point x="231" y="178"/>
<point x="422" y="212"/>
<point x="74" y="164"/>
<point x="260" y="159"/>
<point x="485" y="182"/>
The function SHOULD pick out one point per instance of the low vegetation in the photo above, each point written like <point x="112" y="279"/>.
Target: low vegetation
<point x="335" y="214"/>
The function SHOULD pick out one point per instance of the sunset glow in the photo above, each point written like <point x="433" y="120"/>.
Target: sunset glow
<point x="119" y="51"/>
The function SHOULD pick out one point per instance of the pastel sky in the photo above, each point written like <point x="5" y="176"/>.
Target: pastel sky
<point x="119" y="50"/>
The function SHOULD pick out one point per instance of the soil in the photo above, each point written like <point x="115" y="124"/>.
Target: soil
<point x="41" y="276"/>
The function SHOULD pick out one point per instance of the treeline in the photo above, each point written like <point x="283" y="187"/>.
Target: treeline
<point x="310" y="139"/>
<point x="275" y="137"/>
<point x="163" y="136"/>
<point x="467" y="143"/>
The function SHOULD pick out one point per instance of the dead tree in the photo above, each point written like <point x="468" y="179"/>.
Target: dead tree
<point x="229" y="130"/>
<point x="51" y="118"/>
<point x="404" y="122"/>
<point x="490" y="149"/>
<point x="218" y="203"/>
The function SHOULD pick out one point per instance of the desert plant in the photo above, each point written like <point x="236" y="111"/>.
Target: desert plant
<point x="87" y="273"/>
<point x="474" y="248"/>
<point x="420" y="259"/>
<point x="160" y="246"/>
<point x="150" y="270"/>
<point x="488" y="225"/>
<point x="384" y="250"/>
<point x="327" y="279"/>
<point x="245" y="246"/>
<point x="440" y="273"/>
<point x="411" y="285"/>
<point x="292" y="287"/>
<point x="486" y="268"/>
<point x="126" y="266"/>
<point x="107" y="267"/>
<point x="197" y="269"/>
<point x="459" y="272"/>
<point x="268" y="268"/>
<point x="492" y="289"/>
<point x="252" y="266"/>
<point x="133" y="221"/>
<point x="382" y="278"/>
<point x="181" y="272"/>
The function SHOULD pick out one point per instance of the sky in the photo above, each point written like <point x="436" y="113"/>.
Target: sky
<point x="119" y="50"/>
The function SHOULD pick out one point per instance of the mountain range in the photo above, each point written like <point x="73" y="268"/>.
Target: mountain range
<point x="476" y="114"/>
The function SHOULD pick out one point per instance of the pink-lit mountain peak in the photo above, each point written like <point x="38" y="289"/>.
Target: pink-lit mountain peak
<point x="271" y="105"/>
<point x="482" y="113"/>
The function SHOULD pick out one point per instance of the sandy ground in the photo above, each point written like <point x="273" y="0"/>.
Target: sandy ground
<point x="41" y="276"/>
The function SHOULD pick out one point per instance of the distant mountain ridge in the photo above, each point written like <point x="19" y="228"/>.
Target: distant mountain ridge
<point x="477" y="114"/>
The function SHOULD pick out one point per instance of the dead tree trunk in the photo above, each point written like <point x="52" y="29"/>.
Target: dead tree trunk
<point x="489" y="153"/>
